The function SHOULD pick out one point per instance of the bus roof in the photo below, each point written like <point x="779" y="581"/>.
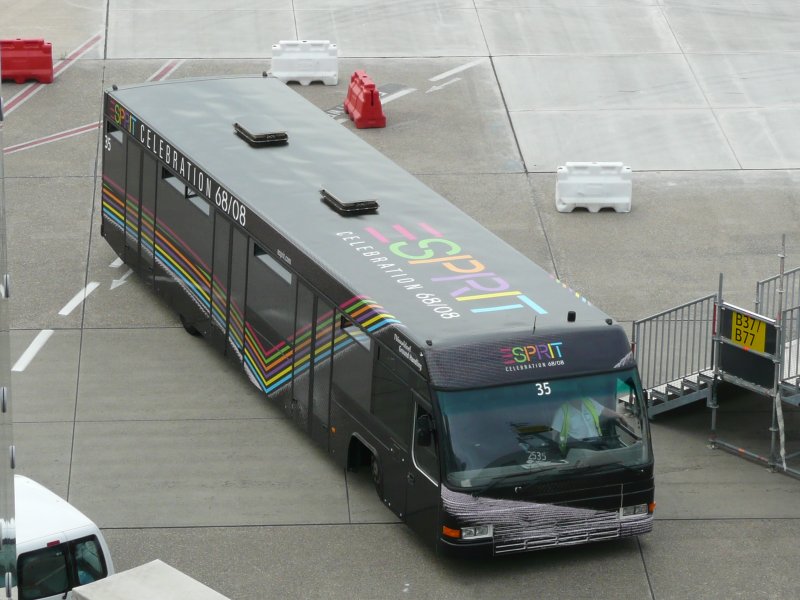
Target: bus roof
<point x="418" y="257"/>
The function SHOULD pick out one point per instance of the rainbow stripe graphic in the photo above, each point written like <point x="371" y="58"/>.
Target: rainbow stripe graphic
<point x="268" y="367"/>
<point x="271" y="368"/>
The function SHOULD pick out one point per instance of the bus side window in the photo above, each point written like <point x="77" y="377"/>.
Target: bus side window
<point x="391" y="402"/>
<point x="425" y="454"/>
<point x="352" y="362"/>
<point x="43" y="573"/>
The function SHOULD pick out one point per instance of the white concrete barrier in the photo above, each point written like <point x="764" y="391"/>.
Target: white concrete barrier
<point x="306" y="61"/>
<point x="593" y="185"/>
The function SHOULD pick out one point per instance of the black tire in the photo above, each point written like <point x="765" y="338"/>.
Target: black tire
<point x="190" y="329"/>
<point x="377" y="475"/>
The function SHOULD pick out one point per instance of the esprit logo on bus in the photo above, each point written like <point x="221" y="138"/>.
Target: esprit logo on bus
<point x="183" y="167"/>
<point x="533" y="356"/>
<point x="123" y="117"/>
<point x="470" y="281"/>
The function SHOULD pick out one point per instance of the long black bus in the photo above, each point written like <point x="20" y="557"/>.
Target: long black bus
<point x="497" y="410"/>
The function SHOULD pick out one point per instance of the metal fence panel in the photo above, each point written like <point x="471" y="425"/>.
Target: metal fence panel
<point x="676" y="343"/>
<point x="767" y="293"/>
<point x="790" y="328"/>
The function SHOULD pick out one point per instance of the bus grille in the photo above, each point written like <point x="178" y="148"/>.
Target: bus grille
<point x="532" y="536"/>
<point x="521" y="526"/>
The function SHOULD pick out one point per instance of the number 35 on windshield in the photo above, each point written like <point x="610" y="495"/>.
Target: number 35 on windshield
<point x="543" y="389"/>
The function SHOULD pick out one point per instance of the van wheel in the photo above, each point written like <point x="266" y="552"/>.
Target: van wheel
<point x="377" y="475"/>
<point x="190" y="329"/>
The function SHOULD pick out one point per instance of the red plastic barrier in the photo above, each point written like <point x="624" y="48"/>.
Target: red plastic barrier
<point x="21" y="60"/>
<point x="363" y="103"/>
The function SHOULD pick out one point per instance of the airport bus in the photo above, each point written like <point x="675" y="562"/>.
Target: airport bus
<point x="397" y="332"/>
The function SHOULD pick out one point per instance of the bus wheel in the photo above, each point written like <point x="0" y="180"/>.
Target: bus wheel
<point x="377" y="474"/>
<point x="190" y="329"/>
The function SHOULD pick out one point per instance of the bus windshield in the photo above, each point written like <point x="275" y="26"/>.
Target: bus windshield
<point x="529" y="428"/>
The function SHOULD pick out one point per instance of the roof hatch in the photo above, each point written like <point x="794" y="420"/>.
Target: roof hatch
<point x="348" y="206"/>
<point x="260" y="131"/>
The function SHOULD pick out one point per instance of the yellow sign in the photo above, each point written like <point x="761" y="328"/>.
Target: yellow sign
<point x="748" y="332"/>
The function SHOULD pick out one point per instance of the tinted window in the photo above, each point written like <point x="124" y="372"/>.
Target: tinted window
<point x="43" y="573"/>
<point x="89" y="563"/>
<point x="185" y="236"/>
<point x="52" y="571"/>
<point x="352" y="362"/>
<point x="114" y="155"/>
<point x="132" y="195"/>
<point x="391" y="402"/>
<point x="426" y="457"/>
<point x="238" y="278"/>
<point x="322" y="360"/>
<point x="270" y="297"/>
<point x="149" y="181"/>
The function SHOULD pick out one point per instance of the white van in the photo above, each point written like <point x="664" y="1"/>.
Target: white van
<point x="58" y="547"/>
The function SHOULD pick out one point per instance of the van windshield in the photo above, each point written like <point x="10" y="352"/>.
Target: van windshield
<point x="529" y="428"/>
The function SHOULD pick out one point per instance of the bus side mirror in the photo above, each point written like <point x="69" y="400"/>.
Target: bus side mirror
<point x="424" y="431"/>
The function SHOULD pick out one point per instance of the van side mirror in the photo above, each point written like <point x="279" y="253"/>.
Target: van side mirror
<point x="424" y="431"/>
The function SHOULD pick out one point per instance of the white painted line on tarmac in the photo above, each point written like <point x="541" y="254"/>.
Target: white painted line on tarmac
<point x="37" y="344"/>
<point x="79" y="297"/>
<point x="397" y="95"/>
<point x="29" y="90"/>
<point x="118" y="262"/>
<point x="385" y="100"/>
<point x="436" y="88"/>
<point x="118" y="282"/>
<point x="447" y="74"/>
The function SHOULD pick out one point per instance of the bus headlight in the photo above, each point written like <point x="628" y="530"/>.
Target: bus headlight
<point x="477" y="532"/>
<point x="636" y="509"/>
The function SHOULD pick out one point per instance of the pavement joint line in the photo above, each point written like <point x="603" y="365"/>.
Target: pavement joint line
<point x="31" y="89"/>
<point x="37" y="344"/>
<point x="463" y="67"/>
<point x="78" y="298"/>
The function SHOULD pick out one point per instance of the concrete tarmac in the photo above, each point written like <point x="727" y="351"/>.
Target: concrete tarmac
<point x="175" y="454"/>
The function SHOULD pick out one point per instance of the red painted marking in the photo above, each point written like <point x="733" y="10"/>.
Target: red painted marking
<point x="52" y="138"/>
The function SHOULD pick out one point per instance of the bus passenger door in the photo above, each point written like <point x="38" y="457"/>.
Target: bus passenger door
<point x="321" y="375"/>
<point x="220" y="283"/>
<point x="395" y="468"/>
<point x="303" y="351"/>
<point x="422" y="503"/>
<point x="392" y="408"/>
<point x="235" y="296"/>
<point x="133" y="189"/>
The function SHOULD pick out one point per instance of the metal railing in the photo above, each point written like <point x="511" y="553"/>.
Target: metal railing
<point x="676" y="343"/>
<point x="790" y="332"/>
<point x="767" y="293"/>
